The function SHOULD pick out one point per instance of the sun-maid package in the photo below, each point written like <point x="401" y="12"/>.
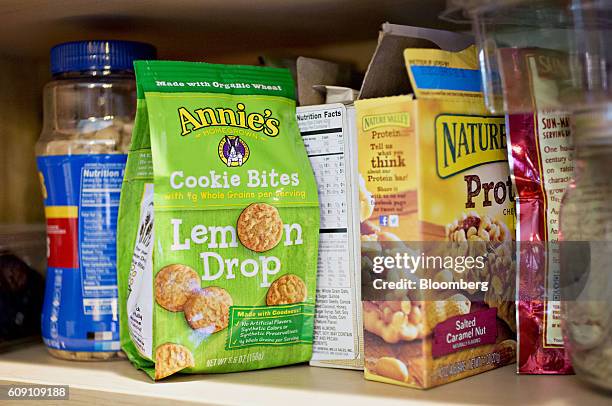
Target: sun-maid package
<point x="437" y="281"/>
<point x="542" y="166"/>
<point x="219" y="223"/>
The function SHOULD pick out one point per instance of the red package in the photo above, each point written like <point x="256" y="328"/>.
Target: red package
<point x="540" y="154"/>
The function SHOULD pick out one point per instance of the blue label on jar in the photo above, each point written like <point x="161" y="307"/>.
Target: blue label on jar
<point x="81" y="195"/>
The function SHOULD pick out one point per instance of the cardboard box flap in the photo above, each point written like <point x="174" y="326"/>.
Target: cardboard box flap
<point x="308" y="72"/>
<point x="312" y="72"/>
<point x="386" y="74"/>
<point x="337" y="94"/>
<point x="440" y="74"/>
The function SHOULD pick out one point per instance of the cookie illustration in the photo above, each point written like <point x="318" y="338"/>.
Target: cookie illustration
<point x="174" y="284"/>
<point x="171" y="358"/>
<point x="286" y="290"/>
<point x="208" y="308"/>
<point x="260" y="227"/>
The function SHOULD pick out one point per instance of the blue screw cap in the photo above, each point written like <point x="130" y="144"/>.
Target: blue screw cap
<point x="82" y="56"/>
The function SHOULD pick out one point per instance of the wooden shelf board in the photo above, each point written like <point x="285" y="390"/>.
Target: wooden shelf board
<point x="119" y="383"/>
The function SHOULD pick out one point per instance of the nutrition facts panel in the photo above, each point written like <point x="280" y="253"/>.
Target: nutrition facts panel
<point x="326" y="153"/>
<point x="329" y="172"/>
<point x="335" y="262"/>
<point x="323" y="131"/>
<point x="99" y="203"/>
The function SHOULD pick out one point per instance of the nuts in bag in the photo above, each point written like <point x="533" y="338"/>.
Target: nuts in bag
<point x="219" y="223"/>
<point x="542" y="165"/>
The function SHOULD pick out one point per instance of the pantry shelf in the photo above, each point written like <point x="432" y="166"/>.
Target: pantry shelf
<point x="118" y="383"/>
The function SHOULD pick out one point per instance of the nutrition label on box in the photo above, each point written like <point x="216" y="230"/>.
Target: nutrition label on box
<point x="323" y="130"/>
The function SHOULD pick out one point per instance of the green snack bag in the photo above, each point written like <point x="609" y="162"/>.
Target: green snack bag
<point x="218" y="222"/>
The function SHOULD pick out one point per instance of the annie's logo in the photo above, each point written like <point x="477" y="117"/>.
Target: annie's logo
<point x="464" y="141"/>
<point x="214" y="117"/>
<point x="233" y="151"/>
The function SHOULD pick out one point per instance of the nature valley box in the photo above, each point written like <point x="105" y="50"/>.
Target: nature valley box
<point x="437" y="274"/>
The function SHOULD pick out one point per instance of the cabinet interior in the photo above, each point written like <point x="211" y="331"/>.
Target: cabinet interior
<point x="218" y="31"/>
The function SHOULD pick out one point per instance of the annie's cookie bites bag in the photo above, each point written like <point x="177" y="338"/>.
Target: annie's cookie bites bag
<point x="438" y="287"/>
<point x="219" y="223"/>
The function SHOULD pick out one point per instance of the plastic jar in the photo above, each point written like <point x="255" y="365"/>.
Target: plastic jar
<point x="579" y="30"/>
<point x="89" y="108"/>
<point x="586" y="249"/>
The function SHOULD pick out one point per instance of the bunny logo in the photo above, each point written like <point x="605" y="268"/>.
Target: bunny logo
<point x="233" y="151"/>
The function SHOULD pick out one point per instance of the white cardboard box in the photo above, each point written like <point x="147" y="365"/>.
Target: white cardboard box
<point x="330" y="137"/>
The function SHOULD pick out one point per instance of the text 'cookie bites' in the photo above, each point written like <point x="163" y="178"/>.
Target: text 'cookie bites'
<point x="219" y="223"/>
<point x="437" y="255"/>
